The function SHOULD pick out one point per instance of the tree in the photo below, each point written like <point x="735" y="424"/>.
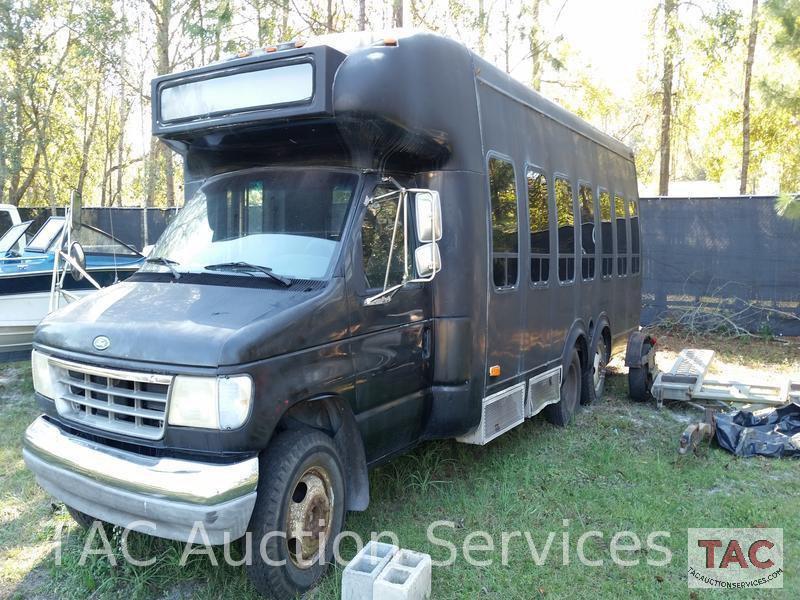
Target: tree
<point x="670" y="48"/>
<point x="535" y="45"/>
<point x="748" y="76"/>
<point x="397" y="13"/>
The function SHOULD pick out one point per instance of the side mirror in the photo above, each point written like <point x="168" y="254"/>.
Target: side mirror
<point x="429" y="216"/>
<point x="75" y="207"/>
<point x="78" y="256"/>
<point x="428" y="260"/>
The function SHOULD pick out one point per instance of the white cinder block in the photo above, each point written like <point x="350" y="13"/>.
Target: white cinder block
<point x="406" y="577"/>
<point x="358" y="578"/>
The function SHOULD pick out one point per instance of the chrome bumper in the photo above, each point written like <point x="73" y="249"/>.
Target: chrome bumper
<point x="164" y="497"/>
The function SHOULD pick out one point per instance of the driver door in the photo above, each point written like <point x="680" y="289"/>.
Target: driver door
<point x="391" y="341"/>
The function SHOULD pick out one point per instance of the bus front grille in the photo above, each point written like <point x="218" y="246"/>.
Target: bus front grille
<point x="127" y="403"/>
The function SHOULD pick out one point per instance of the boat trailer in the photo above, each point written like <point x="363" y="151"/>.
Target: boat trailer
<point x="688" y="381"/>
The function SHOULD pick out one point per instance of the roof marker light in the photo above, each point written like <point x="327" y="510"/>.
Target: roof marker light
<point x="244" y="53"/>
<point x="299" y="43"/>
<point x="271" y="49"/>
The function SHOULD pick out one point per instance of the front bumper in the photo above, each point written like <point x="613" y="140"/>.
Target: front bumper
<point x="164" y="497"/>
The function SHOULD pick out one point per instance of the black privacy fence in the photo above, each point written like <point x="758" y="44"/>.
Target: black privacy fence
<point x="137" y="227"/>
<point x="730" y="264"/>
<point x="727" y="264"/>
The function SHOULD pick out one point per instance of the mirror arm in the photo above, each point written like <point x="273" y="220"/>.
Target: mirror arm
<point x="383" y="297"/>
<point x="68" y="259"/>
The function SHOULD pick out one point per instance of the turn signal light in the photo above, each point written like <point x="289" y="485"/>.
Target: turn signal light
<point x="494" y="371"/>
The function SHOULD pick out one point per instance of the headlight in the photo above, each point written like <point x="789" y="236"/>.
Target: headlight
<point x="45" y="377"/>
<point x="210" y="402"/>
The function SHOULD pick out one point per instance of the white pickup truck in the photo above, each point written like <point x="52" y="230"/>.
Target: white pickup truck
<point x="9" y="216"/>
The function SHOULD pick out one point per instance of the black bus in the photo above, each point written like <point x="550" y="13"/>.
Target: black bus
<point x="384" y="241"/>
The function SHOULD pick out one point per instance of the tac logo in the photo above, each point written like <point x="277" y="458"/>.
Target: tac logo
<point x="735" y="558"/>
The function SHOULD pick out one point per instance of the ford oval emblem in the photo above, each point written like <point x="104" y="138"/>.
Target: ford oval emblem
<point x="101" y="342"/>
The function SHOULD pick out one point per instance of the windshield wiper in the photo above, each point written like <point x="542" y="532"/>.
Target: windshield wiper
<point x="165" y="262"/>
<point x="246" y="267"/>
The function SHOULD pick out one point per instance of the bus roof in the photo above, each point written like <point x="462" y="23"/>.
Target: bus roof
<point x="400" y="96"/>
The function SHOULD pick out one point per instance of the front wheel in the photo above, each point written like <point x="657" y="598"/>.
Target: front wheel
<point x="81" y="518"/>
<point x="561" y="413"/>
<point x="299" y="511"/>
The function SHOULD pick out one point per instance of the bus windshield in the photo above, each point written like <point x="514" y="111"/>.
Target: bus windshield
<point x="289" y="221"/>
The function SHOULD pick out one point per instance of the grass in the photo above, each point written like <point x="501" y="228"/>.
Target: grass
<point x="616" y="468"/>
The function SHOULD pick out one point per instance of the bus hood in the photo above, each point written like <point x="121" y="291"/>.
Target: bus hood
<point x="198" y="325"/>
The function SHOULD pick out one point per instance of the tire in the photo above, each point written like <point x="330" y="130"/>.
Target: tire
<point x="640" y="379"/>
<point x="85" y="521"/>
<point x="302" y="480"/>
<point x="560" y="413"/>
<point x="594" y="379"/>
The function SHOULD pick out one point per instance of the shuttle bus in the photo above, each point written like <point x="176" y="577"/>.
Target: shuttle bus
<point x="385" y="240"/>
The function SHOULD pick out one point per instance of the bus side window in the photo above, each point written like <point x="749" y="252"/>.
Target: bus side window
<point x="586" y="200"/>
<point x="565" y="213"/>
<point x="606" y="234"/>
<point x="505" y="223"/>
<point x="633" y="213"/>
<point x="539" y="213"/>
<point x="622" y="236"/>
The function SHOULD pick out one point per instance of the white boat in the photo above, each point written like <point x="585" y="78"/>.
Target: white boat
<point x="27" y="277"/>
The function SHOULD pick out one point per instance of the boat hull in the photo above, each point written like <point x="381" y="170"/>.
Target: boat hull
<point x="25" y="301"/>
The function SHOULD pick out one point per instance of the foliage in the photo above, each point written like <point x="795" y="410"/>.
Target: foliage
<point x="74" y="82"/>
<point x="788" y="206"/>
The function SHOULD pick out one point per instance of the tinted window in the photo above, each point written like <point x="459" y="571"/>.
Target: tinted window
<point x="237" y="92"/>
<point x="606" y="233"/>
<point x="633" y="213"/>
<point x="622" y="236"/>
<point x="566" y="230"/>
<point x="287" y="220"/>
<point x="377" y="231"/>
<point x="586" y="202"/>
<point x="539" y="217"/>
<point x="505" y="228"/>
<point x="45" y="237"/>
<point x="5" y="222"/>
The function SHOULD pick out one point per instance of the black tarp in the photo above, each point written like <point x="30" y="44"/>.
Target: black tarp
<point x="772" y="432"/>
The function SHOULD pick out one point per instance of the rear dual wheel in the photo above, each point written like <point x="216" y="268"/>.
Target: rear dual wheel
<point x="561" y="413"/>
<point x="594" y="381"/>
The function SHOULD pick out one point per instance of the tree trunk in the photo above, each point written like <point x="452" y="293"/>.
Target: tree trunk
<point x="536" y="59"/>
<point x="397" y="13"/>
<point x="284" y="21"/>
<point x="748" y="76"/>
<point x="481" y="28"/>
<point x="670" y="43"/>
<point x="362" y="15"/>
<point x="88" y="137"/>
<point x="329" y="20"/>
<point x="163" y="14"/>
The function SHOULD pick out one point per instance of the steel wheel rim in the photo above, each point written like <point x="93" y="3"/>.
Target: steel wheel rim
<point x="599" y="374"/>
<point x="309" y="517"/>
